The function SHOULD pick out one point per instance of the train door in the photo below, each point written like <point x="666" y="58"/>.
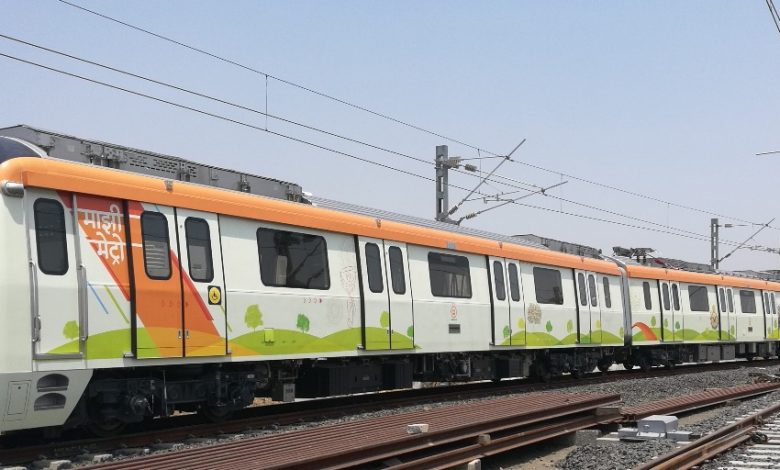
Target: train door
<point x="400" y="293"/>
<point x="57" y="294"/>
<point x="769" y="309"/>
<point x="157" y="312"/>
<point x="516" y="305"/>
<point x="200" y="256"/>
<point x="728" y="321"/>
<point x="376" y="300"/>
<point x="502" y="322"/>
<point x="588" y="307"/>
<point x="671" y="311"/>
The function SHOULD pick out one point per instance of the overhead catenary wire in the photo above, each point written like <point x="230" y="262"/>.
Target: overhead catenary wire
<point x="349" y="139"/>
<point x="773" y="12"/>
<point x="408" y="124"/>
<point x="336" y="151"/>
<point x="266" y="114"/>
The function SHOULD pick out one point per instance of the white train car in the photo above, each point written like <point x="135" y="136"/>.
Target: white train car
<point x="129" y="296"/>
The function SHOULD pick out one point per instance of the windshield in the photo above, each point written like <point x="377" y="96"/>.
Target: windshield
<point x="13" y="148"/>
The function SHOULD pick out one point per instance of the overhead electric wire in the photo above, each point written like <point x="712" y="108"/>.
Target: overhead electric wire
<point x="773" y="12"/>
<point x="250" y="109"/>
<point x="328" y="149"/>
<point x="400" y="121"/>
<point x="349" y="139"/>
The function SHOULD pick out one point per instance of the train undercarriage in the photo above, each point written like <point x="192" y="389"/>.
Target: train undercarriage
<point x="117" y="397"/>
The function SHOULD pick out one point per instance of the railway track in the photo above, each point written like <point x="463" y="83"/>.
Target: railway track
<point x="187" y="427"/>
<point x="747" y="429"/>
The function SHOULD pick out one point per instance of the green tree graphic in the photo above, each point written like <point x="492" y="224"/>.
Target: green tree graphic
<point x="71" y="330"/>
<point x="521" y="323"/>
<point x="666" y="323"/>
<point x="652" y="321"/>
<point x="507" y="331"/>
<point x="598" y="324"/>
<point x="410" y="331"/>
<point x="302" y="323"/>
<point x="253" y="317"/>
<point x="548" y="326"/>
<point x="676" y="325"/>
<point x="569" y="326"/>
<point x="384" y="319"/>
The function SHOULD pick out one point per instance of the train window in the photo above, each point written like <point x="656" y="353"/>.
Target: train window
<point x="374" y="268"/>
<point x="676" y="296"/>
<point x="648" y="298"/>
<point x="594" y="298"/>
<point x="747" y="300"/>
<point x="697" y="296"/>
<point x="199" y="249"/>
<point x="665" y="295"/>
<point x="157" y="247"/>
<point x="730" y="299"/>
<point x="450" y="275"/>
<point x="498" y="275"/>
<point x="292" y="259"/>
<point x="772" y="301"/>
<point x="398" y="278"/>
<point x="607" y="293"/>
<point x="722" y="293"/>
<point x="50" y="237"/>
<point x="583" y="294"/>
<point x="548" y="286"/>
<point x="514" y="283"/>
<point x="766" y="303"/>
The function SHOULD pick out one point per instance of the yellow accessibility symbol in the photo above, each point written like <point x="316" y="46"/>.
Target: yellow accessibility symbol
<point x="215" y="295"/>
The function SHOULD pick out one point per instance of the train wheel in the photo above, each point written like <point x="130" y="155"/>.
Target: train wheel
<point x="106" y="427"/>
<point x="604" y="365"/>
<point x="644" y="364"/>
<point x="628" y="364"/>
<point x="216" y="414"/>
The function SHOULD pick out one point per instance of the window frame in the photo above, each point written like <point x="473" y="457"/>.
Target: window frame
<point x="61" y="213"/>
<point x="326" y="267"/>
<point x="742" y="296"/>
<point x="467" y="287"/>
<point x="498" y="275"/>
<point x="514" y="282"/>
<point x="582" y="293"/>
<point x="647" y="295"/>
<point x="666" y="298"/>
<point x="694" y="290"/>
<point x="374" y="268"/>
<point x="607" y="293"/>
<point x="557" y="276"/>
<point x="393" y="271"/>
<point x="209" y="252"/>
<point x="164" y="218"/>
<point x="594" y="297"/>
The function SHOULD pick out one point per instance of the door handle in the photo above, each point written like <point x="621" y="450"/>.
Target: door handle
<point x="178" y="335"/>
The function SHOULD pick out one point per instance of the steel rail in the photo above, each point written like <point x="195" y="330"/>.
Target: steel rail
<point x="712" y="444"/>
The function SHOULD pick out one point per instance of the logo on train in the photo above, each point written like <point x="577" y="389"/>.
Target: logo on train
<point x="453" y="312"/>
<point x="215" y="295"/>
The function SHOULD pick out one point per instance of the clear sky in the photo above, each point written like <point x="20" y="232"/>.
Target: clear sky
<point x="668" y="99"/>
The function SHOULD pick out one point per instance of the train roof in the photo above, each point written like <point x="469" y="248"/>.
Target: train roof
<point x="90" y="179"/>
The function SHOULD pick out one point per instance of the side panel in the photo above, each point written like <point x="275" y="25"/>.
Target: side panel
<point x="502" y="326"/>
<point x="583" y="307"/>
<point x="549" y="323"/>
<point x="105" y="266"/>
<point x="377" y="318"/>
<point x="54" y="274"/>
<point x="611" y="301"/>
<point x="646" y="326"/>
<point x="400" y="292"/>
<point x="700" y="318"/>
<point x="286" y="321"/>
<point x="517" y="320"/>
<point x="202" y="283"/>
<point x="158" y="291"/>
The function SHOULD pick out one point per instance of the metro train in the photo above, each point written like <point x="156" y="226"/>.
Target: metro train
<point x="126" y="296"/>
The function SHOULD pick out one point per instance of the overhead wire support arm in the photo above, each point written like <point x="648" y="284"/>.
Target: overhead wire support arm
<point x="504" y="159"/>
<point x="509" y="201"/>
<point x="763" y="226"/>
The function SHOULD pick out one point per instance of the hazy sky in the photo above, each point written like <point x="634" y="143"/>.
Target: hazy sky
<point x="668" y="99"/>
